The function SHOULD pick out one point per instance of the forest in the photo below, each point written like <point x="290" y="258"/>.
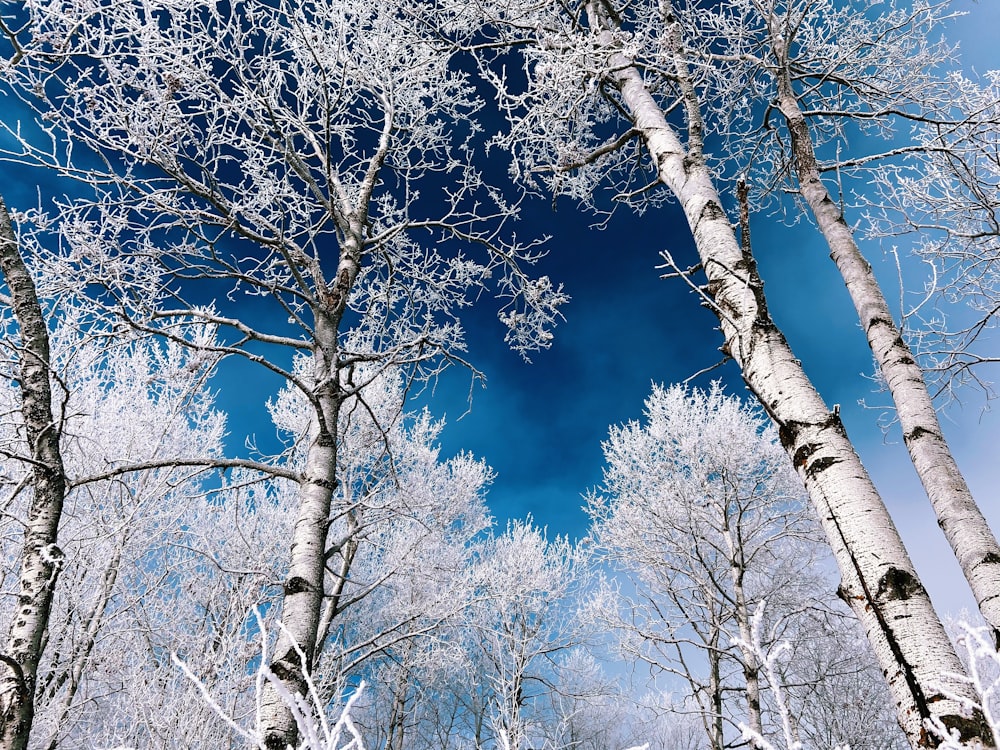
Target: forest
<point x="306" y="209"/>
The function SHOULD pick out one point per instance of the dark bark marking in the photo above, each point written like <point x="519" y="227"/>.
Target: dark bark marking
<point x="915" y="434"/>
<point x="969" y="728"/>
<point x="327" y="484"/>
<point x="820" y="465"/>
<point x="833" y="422"/>
<point x="711" y="211"/>
<point x="280" y="671"/>
<point x="879" y="320"/>
<point x="788" y="432"/>
<point x="296" y="585"/>
<point x="898" y="585"/>
<point x="802" y="454"/>
<point x="846" y="597"/>
<point x="288" y="667"/>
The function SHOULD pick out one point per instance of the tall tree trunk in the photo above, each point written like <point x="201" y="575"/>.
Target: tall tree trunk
<point x="878" y="579"/>
<point x="41" y="559"/>
<point x="964" y="525"/>
<point x="717" y="737"/>
<point x="751" y="664"/>
<point x="396" y="729"/>
<point x="304" y="587"/>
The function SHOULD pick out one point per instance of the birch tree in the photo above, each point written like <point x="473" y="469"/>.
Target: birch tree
<point x="41" y="559"/>
<point x="315" y="158"/>
<point x="700" y="509"/>
<point x="594" y="90"/>
<point x="831" y="70"/>
<point x="118" y="402"/>
<point x="157" y="570"/>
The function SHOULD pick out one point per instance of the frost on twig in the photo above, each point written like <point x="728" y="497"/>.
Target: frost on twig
<point x="769" y="658"/>
<point x="316" y="732"/>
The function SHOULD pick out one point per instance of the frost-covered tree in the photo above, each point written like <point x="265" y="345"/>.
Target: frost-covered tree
<point x="604" y="85"/>
<point x="180" y="568"/>
<point x="33" y="431"/>
<point x="834" y="71"/>
<point x="942" y="200"/>
<point x="120" y="403"/>
<point x="312" y="160"/>
<point x="398" y="571"/>
<point x="702" y="513"/>
<point x="525" y="617"/>
<point x="590" y="711"/>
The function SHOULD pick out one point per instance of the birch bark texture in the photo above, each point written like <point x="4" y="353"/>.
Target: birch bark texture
<point x="959" y="516"/>
<point x="41" y="559"/>
<point x="878" y="578"/>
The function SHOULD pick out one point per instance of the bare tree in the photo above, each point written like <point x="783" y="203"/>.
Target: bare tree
<point x="702" y="512"/>
<point x="120" y="402"/>
<point x="942" y="199"/>
<point x="594" y="90"/>
<point x="327" y="174"/>
<point x="831" y="70"/>
<point x="41" y="559"/>
<point x="523" y="620"/>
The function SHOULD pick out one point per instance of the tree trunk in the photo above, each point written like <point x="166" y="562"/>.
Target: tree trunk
<point x="878" y="579"/>
<point x="717" y="738"/>
<point x="304" y="587"/>
<point x="41" y="559"/>
<point x="751" y="665"/>
<point x="964" y="525"/>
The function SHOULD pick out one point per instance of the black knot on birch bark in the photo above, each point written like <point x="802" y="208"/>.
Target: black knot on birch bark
<point x="788" y="432"/>
<point x="711" y="211"/>
<point x="802" y="454"/>
<point x="970" y="728"/>
<point x="296" y="585"/>
<point x="897" y="585"/>
<point x="324" y="483"/>
<point x="820" y="465"/>
<point x="286" y="668"/>
<point x="915" y="434"/>
<point x="275" y="742"/>
<point x="878" y="320"/>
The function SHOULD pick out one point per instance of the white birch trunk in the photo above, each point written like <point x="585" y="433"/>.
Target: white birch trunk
<point x="41" y="559"/>
<point x="304" y="587"/>
<point x="964" y="525"/>
<point x="751" y="664"/>
<point x="878" y="579"/>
